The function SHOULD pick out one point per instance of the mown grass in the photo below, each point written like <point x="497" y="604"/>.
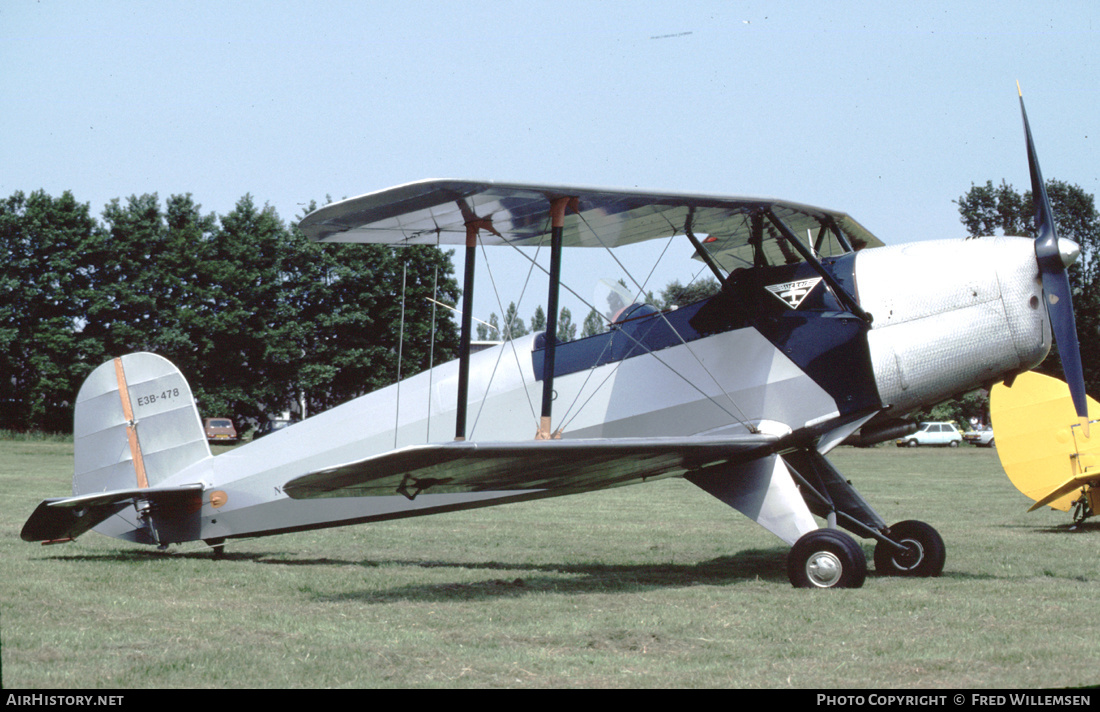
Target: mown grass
<point x="656" y="585"/>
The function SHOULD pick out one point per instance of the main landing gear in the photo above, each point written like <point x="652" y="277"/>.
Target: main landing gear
<point x="830" y="558"/>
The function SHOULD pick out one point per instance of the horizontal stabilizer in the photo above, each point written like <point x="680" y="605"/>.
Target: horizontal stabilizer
<point x="558" y="465"/>
<point x="63" y="518"/>
<point x="1068" y="487"/>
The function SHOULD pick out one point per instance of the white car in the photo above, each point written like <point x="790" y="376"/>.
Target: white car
<point x="932" y="434"/>
<point x="981" y="438"/>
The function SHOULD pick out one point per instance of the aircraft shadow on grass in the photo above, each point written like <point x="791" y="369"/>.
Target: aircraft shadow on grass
<point x="591" y="577"/>
<point x="587" y="577"/>
<point x="571" y="578"/>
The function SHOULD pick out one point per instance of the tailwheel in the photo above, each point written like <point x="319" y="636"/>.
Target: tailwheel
<point x="924" y="555"/>
<point x="217" y="545"/>
<point x="826" y="558"/>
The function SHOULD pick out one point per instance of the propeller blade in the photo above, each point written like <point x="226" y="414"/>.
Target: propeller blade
<point x="1055" y="279"/>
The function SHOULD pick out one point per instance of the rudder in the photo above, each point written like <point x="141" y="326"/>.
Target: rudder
<point x="135" y="424"/>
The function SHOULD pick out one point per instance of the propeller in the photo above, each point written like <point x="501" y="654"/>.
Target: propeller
<point x="1054" y="256"/>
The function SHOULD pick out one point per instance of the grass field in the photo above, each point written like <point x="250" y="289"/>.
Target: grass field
<point x="656" y="585"/>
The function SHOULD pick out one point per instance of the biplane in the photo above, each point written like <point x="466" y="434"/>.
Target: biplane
<point x="819" y="333"/>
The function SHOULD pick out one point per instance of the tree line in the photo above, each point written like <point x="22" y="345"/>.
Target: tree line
<point x="259" y="319"/>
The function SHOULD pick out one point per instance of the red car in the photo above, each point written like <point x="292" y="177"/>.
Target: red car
<point x="220" y="430"/>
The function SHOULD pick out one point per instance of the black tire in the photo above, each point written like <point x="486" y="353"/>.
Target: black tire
<point x="913" y="443"/>
<point x="954" y="443"/>
<point x="927" y="551"/>
<point x="826" y="558"/>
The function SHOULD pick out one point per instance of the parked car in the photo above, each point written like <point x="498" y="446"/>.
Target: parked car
<point x="271" y="426"/>
<point x="932" y="434"/>
<point x="981" y="438"/>
<point x="220" y="430"/>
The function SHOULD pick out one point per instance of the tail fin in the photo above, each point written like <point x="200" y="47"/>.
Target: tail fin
<point x="1041" y="445"/>
<point x="135" y="425"/>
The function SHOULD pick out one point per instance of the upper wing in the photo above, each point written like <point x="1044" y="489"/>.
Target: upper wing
<point x="562" y="465"/>
<point x="437" y="212"/>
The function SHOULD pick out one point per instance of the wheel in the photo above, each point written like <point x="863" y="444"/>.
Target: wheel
<point x="912" y="443"/>
<point x="954" y="443"/>
<point x="926" y="553"/>
<point x="991" y="443"/>
<point x="217" y="545"/>
<point x="826" y="558"/>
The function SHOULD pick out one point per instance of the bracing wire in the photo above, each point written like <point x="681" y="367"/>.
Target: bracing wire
<point x="739" y="418"/>
<point x="511" y="341"/>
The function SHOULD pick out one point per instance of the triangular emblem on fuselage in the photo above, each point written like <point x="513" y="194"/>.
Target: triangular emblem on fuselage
<point x="792" y="293"/>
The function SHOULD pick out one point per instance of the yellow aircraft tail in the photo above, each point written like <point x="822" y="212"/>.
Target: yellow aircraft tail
<point x="1055" y="465"/>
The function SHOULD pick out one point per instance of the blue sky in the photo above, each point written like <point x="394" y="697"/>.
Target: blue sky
<point x="885" y="111"/>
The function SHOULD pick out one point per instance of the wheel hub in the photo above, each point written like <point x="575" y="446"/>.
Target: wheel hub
<point x="914" y="554"/>
<point x="824" y="569"/>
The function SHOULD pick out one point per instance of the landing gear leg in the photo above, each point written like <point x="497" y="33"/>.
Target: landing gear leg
<point x="908" y="548"/>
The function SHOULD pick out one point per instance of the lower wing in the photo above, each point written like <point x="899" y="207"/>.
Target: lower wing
<point x="560" y="465"/>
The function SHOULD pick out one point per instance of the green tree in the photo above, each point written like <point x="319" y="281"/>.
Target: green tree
<point x="45" y="283"/>
<point x="513" y="324"/>
<point x="972" y="406"/>
<point x="567" y="330"/>
<point x="538" y="320"/>
<point x="140" y="285"/>
<point x="678" y="295"/>
<point x="247" y="336"/>
<point x="257" y="317"/>
<point x="148" y="292"/>
<point x="492" y="330"/>
<point x="347" y="301"/>
<point x="593" y="324"/>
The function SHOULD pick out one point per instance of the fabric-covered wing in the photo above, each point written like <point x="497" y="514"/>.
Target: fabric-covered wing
<point x="560" y="465"/>
<point x="437" y="212"/>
